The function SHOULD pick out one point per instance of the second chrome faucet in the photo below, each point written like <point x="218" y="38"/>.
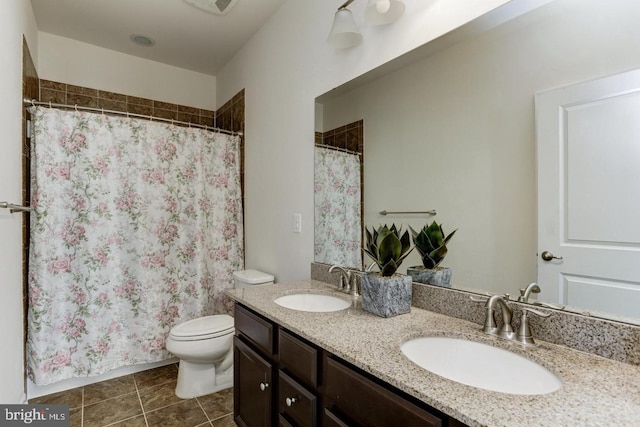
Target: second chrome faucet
<point x="523" y="336"/>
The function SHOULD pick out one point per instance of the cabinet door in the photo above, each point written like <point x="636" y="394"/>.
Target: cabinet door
<point x="253" y="387"/>
<point x="295" y="403"/>
<point x="359" y="401"/>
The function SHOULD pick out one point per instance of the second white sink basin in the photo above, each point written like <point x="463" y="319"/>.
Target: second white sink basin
<point x="312" y="302"/>
<point x="480" y="365"/>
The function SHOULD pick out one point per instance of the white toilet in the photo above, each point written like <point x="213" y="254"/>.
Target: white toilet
<point x="205" y="346"/>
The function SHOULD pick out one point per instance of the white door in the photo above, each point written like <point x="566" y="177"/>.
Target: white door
<point x="588" y="153"/>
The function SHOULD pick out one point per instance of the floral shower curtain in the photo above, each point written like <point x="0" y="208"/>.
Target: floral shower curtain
<point x="136" y="225"/>
<point x="338" y="229"/>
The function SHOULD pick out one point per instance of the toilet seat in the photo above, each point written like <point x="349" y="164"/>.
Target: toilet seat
<point x="203" y="328"/>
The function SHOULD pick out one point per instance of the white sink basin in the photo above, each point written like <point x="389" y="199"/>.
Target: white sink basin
<point x="480" y="365"/>
<point x="312" y="302"/>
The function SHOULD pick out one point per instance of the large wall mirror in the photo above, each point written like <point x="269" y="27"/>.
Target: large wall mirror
<point x="451" y="127"/>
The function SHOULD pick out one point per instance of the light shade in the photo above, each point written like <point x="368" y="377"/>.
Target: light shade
<point x="344" y="32"/>
<point x="381" y="12"/>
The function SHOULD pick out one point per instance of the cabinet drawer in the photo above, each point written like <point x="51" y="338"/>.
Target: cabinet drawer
<point x="254" y="327"/>
<point x="331" y="420"/>
<point x="295" y="403"/>
<point x="298" y="358"/>
<point x="358" y="401"/>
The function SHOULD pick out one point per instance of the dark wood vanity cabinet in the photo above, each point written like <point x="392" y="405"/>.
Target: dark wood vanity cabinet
<point x="353" y="399"/>
<point x="275" y="374"/>
<point x="253" y="369"/>
<point x="284" y="380"/>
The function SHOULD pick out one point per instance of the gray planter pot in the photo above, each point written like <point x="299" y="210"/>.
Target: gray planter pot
<point x="440" y="276"/>
<point x="386" y="296"/>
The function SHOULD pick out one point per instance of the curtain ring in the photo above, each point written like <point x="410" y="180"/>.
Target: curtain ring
<point x="33" y="102"/>
<point x="76" y="107"/>
<point x="49" y="104"/>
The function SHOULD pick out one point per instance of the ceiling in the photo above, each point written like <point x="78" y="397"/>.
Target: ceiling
<point x="185" y="36"/>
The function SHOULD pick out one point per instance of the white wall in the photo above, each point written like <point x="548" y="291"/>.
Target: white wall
<point x="283" y="68"/>
<point x="70" y="61"/>
<point x="458" y="131"/>
<point x="16" y="19"/>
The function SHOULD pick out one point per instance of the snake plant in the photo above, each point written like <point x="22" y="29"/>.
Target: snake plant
<point x="431" y="243"/>
<point x="388" y="247"/>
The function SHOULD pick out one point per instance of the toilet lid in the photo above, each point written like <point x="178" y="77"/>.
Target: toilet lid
<point x="203" y="328"/>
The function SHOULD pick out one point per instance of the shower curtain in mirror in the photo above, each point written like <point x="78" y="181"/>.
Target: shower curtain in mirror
<point x="136" y="225"/>
<point x="338" y="233"/>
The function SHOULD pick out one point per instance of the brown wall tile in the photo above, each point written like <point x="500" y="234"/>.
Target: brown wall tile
<point x="53" y="85"/>
<point x="159" y="105"/>
<point x="54" y="96"/>
<point x="109" y="104"/>
<point x="112" y="96"/>
<point x="139" y="101"/>
<point x="93" y="93"/>
<point x="140" y="109"/>
<point x="82" y="100"/>
<point x="165" y="114"/>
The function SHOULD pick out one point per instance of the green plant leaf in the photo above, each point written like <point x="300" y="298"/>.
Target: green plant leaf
<point x="389" y="268"/>
<point x="390" y="248"/>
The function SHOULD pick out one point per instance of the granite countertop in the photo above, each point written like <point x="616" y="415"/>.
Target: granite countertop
<point x="595" y="391"/>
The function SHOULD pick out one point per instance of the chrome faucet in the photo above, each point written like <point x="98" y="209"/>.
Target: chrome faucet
<point x="533" y="288"/>
<point x="523" y="336"/>
<point x="524" y="332"/>
<point x="347" y="282"/>
<point x="490" y="327"/>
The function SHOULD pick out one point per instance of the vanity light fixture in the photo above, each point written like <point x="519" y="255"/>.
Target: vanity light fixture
<point x="382" y="12"/>
<point x="344" y="31"/>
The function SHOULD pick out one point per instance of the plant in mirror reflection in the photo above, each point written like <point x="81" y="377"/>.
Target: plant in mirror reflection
<point x="431" y="243"/>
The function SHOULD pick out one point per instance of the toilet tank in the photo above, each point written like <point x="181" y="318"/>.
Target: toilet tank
<point x="246" y="278"/>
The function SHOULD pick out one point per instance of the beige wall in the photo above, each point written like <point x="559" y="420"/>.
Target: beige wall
<point x="16" y="19"/>
<point x="283" y="68"/>
<point x="69" y="61"/>
<point x="458" y="131"/>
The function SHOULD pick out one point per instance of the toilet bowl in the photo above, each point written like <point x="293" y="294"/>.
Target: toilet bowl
<point x="205" y="346"/>
<point x="205" y="349"/>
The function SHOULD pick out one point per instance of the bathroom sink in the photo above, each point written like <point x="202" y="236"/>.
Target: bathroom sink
<point x="312" y="302"/>
<point x="480" y="365"/>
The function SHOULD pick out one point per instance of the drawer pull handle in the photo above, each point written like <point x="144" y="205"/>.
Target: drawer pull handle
<point x="264" y="386"/>
<point x="290" y="401"/>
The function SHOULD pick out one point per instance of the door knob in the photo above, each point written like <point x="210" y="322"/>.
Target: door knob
<point x="548" y="256"/>
<point x="264" y="386"/>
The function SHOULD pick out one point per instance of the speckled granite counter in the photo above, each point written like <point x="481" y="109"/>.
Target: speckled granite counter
<point x="595" y="392"/>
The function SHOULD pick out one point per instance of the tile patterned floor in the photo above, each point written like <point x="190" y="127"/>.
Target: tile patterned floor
<point x="143" y="399"/>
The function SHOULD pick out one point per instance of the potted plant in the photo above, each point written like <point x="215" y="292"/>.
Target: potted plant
<point x="386" y="293"/>
<point x="431" y="243"/>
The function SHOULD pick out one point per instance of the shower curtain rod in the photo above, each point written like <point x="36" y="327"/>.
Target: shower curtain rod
<point x="331" y="147"/>
<point x="32" y="102"/>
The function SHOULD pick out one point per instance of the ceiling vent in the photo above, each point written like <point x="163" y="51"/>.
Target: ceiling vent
<point x="217" y="7"/>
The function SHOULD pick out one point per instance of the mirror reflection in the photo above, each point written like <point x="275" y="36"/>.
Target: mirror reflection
<point x="454" y="131"/>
